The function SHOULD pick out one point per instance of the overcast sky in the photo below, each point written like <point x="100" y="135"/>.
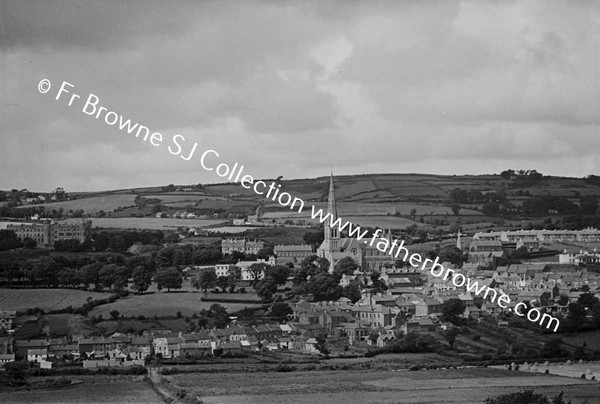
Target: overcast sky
<point x="298" y="88"/>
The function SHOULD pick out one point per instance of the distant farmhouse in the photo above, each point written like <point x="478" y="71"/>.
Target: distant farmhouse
<point x="48" y="232"/>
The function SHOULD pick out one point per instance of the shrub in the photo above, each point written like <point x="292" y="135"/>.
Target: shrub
<point x="527" y="396"/>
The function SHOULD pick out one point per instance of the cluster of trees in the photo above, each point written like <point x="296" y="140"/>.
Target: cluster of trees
<point x="9" y="240"/>
<point x="459" y="195"/>
<point x="527" y="396"/>
<point x="183" y="255"/>
<point x="275" y="276"/>
<point x="98" y="272"/>
<point x="72" y="245"/>
<point x="120" y="241"/>
<point x="312" y="277"/>
<point x="577" y="317"/>
<point x="448" y="254"/>
<point x="215" y="316"/>
<point x="410" y="343"/>
<point x="521" y="175"/>
<point x="452" y="310"/>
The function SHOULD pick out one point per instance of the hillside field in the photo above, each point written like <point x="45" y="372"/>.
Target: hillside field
<point x="93" y="204"/>
<point x="163" y="304"/>
<point x="150" y="223"/>
<point x="46" y="299"/>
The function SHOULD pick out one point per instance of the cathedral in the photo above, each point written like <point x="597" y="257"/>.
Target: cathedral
<point x="335" y="247"/>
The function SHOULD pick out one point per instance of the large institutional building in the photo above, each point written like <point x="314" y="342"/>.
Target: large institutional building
<point x="588" y="235"/>
<point x="335" y="247"/>
<point x="48" y="232"/>
<point x="242" y="245"/>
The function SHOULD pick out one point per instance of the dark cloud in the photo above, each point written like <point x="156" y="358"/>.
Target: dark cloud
<point x="298" y="87"/>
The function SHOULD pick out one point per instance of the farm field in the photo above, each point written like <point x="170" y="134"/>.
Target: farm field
<point x="104" y="391"/>
<point x="591" y="339"/>
<point x="150" y="223"/>
<point x="230" y="229"/>
<point x="4" y="225"/>
<point x="46" y="299"/>
<point x="467" y="386"/>
<point x="382" y="222"/>
<point x="93" y="204"/>
<point x="163" y="304"/>
<point x="574" y="370"/>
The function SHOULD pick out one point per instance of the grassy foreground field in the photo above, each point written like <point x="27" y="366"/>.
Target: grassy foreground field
<point x="466" y="386"/>
<point x="46" y="299"/>
<point x="163" y="304"/>
<point x="106" y="390"/>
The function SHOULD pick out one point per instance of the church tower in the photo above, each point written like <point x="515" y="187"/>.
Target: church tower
<point x="332" y="242"/>
<point x="332" y="235"/>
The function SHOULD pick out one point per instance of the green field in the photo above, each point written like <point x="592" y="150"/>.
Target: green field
<point x="150" y="223"/>
<point x="465" y="386"/>
<point x="46" y="299"/>
<point x="122" y="389"/>
<point x="163" y="304"/>
<point x="93" y="204"/>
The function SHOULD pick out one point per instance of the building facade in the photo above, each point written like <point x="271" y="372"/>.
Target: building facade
<point x="48" y="232"/>
<point x="242" y="245"/>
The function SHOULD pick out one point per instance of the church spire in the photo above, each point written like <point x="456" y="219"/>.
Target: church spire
<point x="332" y="210"/>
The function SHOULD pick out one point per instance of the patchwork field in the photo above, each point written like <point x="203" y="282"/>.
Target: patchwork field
<point x="150" y="223"/>
<point x="466" y="386"/>
<point x="47" y="299"/>
<point x="162" y="304"/>
<point x="93" y="204"/>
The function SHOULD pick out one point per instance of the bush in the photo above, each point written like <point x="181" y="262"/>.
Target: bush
<point x="527" y="396"/>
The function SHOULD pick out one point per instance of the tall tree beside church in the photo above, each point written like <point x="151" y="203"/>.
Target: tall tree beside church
<point x="310" y="266"/>
<point x="324" y="287"/>
<point x="345" y="266"/>
<point x="352" y="291"/>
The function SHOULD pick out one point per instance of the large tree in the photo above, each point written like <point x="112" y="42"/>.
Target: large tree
<point x="266" y="288"/>
<point x="142" y="278"/>
<point x="576" y="316"/>
<point x="345" y="266"/>
<point x="90" y="274"/>
<point x="452" y="309"/>
<point x="168" y="278"/>
<point x="310" y="266"/>
<point x="352" y="291"/>
<point x="223" y="282"/>
<point x="69" y="277"/>
<point x="314" y="238"/>
<point x="234" y="277"/>
<point x="324" y="287"/>
<point x="279" y="273"/>
<point x="256" y="271"/>
<point x="205" y="280"/>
